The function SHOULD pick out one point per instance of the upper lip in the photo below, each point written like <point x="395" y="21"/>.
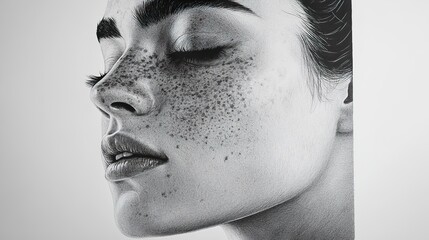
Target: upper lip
<point x="114" y="147"/>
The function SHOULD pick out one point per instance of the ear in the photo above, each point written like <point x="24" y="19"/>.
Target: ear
<point x="345" y="122"/>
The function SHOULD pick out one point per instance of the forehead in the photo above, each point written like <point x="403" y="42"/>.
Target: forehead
<point x="118" y="8"/>
<point x="272" y="12"/>
<point x="121" y="9"/>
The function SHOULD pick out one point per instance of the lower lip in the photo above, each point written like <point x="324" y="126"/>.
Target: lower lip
<point x="130" y="167"/>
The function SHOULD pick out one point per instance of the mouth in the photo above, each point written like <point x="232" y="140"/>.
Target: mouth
<point x="126" y="157"/>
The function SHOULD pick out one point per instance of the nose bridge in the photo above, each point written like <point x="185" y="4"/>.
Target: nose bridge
<point x="124" y="91"/>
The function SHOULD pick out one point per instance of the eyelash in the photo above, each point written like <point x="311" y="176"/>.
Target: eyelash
<point x="93" y="79"/>
<point x="180" y="56"/>
<point x="206" y="55"/>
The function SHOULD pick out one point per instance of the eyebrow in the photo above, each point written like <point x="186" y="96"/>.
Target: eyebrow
<point x="158" y="10"/>
<point x="107" y="28"/>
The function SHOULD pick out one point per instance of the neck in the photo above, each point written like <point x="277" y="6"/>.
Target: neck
<point x="324" y="211"/>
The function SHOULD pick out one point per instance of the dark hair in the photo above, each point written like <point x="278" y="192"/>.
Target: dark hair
<point x="328" y="39"/>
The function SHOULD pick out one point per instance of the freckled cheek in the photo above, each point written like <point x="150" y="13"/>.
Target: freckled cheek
<point x="201" y="102"/>
<point x="208" y="104"/>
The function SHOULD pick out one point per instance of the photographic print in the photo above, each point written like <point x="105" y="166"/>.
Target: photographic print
<point x="231" y="113"/>
<point x="214" y="120"/>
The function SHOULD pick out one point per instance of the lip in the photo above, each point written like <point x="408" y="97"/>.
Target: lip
<point x="126" y="157"/>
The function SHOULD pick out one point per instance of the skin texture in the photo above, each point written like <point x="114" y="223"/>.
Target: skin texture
<point x="243" y="133"/>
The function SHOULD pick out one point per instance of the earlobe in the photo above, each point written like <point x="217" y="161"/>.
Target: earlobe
<point x="345" y="122"/>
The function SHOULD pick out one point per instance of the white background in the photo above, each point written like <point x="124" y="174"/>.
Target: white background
<point x="51" y="178"/>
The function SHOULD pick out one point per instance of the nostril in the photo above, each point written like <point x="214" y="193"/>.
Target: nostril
<point x="122" y="106"/>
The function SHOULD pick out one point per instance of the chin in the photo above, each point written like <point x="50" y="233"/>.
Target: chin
<point x="135" y="224"/>
<point x="135" y="219"/>
<point x="145" y="226"/>
<point x="139" y="229"/>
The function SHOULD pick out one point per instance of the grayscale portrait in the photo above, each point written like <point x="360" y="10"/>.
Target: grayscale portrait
<point x="235" y="113"/>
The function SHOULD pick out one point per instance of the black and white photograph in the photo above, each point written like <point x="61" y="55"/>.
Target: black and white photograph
<point x="214" y="120"/>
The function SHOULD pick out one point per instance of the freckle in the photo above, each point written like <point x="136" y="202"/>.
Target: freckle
<point x="226" y="159"/>
<point x="177" y="146"/>
<point x="147" y="126"/>
<point x="164" y="194"/>
<point x="146" y="215"/>
<point x="168" y="175"/>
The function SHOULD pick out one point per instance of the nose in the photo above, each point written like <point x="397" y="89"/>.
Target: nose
<point x="116" y="98"/>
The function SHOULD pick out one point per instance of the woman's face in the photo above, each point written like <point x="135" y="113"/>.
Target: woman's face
<point x="224" y="94"/>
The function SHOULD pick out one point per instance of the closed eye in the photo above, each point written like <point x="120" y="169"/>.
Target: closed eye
<point x="205" y="56"/>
